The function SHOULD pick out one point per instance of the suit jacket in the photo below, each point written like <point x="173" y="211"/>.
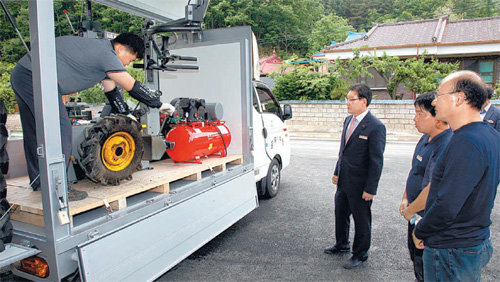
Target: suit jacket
<point x="492" y="117"/>
<point x="360" y="160"/>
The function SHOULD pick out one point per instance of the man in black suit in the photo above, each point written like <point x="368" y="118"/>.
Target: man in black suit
<point x="490" y="113"/>
<point x="356" y="175"/>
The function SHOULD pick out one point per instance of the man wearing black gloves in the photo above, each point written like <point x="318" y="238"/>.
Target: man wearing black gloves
<point x="81" y="64"/>
<point x="455" y="226"/>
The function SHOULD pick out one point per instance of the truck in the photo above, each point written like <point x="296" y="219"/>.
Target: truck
<point x="145" y="226"/>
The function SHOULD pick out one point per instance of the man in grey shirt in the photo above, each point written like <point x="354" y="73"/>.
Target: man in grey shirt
<point x="81" y="64"/>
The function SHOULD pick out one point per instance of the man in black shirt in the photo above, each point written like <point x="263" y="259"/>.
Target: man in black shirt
<point x="436" y="136"/>
<point x="455" y="226"/>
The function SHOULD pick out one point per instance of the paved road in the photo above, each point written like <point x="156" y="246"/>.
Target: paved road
<point x="284" y="238"/>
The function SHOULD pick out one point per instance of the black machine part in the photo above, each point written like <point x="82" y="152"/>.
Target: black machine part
<point x="76" y="110"/>
<point x="192" y="110"/>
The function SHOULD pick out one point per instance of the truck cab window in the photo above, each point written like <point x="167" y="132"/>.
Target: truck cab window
<point x="268" y="102"/>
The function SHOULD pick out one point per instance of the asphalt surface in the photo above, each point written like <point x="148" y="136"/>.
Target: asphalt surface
<point x="284" y="238"/>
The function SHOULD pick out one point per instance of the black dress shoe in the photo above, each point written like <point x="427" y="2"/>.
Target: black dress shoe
<point x="336" y="250"/>
<point x="354" y="262"/>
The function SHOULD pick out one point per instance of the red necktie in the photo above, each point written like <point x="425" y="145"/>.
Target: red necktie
<point x="352" y="125"/>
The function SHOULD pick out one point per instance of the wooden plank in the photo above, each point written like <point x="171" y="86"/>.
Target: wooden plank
<point x="26" y="217"/>
<point x="237" y="161"/>
<point x="156" y="180"/>
<point x="194" y="176"/>
<point x="221" y="167"/>
<point x="119" y="204"/>
<point x="163" y="189"/>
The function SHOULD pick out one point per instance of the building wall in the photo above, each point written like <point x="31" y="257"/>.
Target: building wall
<point x="324" y="119"/>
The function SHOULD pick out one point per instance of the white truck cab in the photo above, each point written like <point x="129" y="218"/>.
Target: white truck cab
<point x="271" y="140"/>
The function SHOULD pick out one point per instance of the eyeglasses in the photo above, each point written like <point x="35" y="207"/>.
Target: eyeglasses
<point x="351" y="99"/>
<point x="439" y="95"/>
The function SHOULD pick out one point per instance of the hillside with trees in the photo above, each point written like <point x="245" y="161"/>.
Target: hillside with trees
<point x="294" y="28"/>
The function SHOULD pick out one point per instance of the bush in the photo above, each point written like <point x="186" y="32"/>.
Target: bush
<point x="304" y="83"/>
<point x="95" y="95"/>
<point x="6" y="93"/>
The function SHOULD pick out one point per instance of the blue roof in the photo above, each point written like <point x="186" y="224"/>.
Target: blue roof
<point x="354" y="35"/>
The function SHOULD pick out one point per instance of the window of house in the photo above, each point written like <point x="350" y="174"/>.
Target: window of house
<point x="484" y="68"/>
<point x="486" y="71"/>
<point x="373" y="82"/>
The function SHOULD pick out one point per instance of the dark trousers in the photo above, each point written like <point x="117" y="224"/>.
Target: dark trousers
<point x="360" y="209"/>
<point x="22" y="84"/>
<point x="415" y="255"/>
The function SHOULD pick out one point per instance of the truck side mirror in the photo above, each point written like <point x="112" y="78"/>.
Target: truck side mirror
<point x="287" y="112"/>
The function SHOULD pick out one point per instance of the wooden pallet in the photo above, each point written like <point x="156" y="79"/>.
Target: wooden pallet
<point x="27" y="204"/>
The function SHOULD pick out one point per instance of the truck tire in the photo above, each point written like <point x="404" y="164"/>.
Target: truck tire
<point x="272" y="180"/>
<point x="112" y="150"/>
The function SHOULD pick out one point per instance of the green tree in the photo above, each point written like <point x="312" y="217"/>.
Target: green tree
<point x="418" y="74"/>
<point x="328" y="28"/>
<point x="468" y="9"/>
<point x="302" y="82"/>
<point x="6" y="93"/>
<point x="423" y="74"/>
<point x="283" y="23"/>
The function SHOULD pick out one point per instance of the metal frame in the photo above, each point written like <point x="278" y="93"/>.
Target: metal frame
<point x="59" y="243"/>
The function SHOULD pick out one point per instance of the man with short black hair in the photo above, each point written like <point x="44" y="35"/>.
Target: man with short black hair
<point x="81" y="64"/>
<point x="356" y="175"/>
<point x="455" y="226"/>
<point x="436" y="136"/>
<point x="490" y="113"/>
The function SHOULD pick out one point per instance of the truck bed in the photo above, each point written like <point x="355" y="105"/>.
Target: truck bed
<point x="27" y="204"/>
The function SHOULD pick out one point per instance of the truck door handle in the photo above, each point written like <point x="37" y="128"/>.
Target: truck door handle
<point x="264" y="132"/>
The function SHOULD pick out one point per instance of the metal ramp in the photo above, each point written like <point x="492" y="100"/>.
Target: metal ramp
<point x="14" y="252"/>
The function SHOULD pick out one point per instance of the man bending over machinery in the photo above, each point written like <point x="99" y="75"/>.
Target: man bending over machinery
<point x="81" y="64"/>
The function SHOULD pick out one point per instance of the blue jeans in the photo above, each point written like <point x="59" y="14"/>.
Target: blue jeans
<point x="461" y="264"/>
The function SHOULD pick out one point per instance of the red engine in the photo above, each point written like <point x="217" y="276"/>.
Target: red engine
<point x="189" y="141"/>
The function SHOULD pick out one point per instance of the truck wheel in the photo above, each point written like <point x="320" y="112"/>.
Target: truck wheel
<point x="112" y="150"/>
<point x="272" y="179"/>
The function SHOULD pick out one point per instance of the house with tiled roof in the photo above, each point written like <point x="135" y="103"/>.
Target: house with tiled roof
<point x="475" y="43"/>
<point x="269" y="64"/>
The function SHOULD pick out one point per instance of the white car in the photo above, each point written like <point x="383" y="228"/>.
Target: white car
<point x="271" y="140"/>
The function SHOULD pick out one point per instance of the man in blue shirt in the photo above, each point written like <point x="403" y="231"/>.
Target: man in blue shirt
<point x="455" y="226"/>
<point x="436" y="136"/>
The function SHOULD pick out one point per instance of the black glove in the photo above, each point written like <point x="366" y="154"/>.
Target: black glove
<point x="144" y="95"/>
<point x="116" y="101"/>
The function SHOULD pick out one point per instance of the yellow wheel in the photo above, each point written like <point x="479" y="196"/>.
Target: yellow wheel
<point x="111" y="150"/>
<point x="118" y="151"/>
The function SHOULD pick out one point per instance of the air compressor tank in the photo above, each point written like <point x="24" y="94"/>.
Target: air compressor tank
<point x="189" y="142"/>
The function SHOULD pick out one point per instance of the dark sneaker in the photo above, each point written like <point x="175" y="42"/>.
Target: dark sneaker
<point x="337" y="250"/>
<point x="76" y="195"/>
<point x="355" y="262"/>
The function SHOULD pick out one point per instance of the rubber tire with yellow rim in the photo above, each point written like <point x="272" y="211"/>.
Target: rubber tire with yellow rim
<point x="99" y="166"/>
